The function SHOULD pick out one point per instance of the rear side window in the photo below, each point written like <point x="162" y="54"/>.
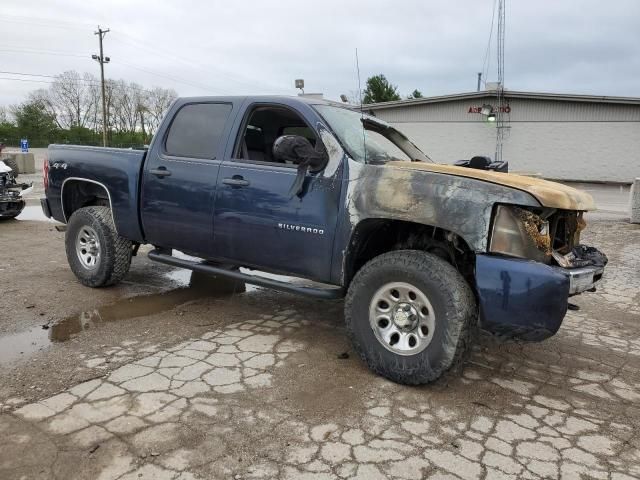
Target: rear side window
<point x="197" y="129"/>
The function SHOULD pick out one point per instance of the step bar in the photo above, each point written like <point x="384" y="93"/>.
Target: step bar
<point x="324" y="293"/>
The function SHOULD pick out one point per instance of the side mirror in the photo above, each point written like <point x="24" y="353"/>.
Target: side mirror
<point x="298" y="150"/>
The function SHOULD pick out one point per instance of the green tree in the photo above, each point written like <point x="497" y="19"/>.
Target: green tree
<point x="415" y="94"/>
<point x="380" y="90"/>
<point x="8" y="132"/>
<point x="34" y="122"/>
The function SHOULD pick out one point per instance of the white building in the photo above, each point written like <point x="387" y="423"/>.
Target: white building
<point x="566" y="137"/>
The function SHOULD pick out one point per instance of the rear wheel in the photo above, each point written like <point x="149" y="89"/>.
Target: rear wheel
<point x="408" y="315"/>
<point x="97" y="255"/>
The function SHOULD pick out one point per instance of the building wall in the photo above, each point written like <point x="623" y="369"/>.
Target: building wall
<point x="557" y="139"/>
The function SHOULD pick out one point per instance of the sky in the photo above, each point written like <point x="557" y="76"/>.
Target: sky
<point x="212" y="47"/>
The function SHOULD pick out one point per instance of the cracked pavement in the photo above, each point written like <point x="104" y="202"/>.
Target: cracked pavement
<point x="265" y="395"/>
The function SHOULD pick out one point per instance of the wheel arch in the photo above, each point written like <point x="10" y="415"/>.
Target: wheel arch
<point x="77" y="192"/>
<point x="374" y="236"/>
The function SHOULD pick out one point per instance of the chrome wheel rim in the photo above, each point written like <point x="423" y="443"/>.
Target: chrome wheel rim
<point x="88" y="248"/>
<point x="402" y="318"/>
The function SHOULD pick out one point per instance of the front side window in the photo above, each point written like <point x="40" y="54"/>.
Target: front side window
<point x="367" y="139"/>
<point x="197" y="129"/>
<point x="264" y="125"/>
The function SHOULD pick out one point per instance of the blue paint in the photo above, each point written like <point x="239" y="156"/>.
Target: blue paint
<point x="520" y="298"/>
<point x="250" y="221"/>
<point x="117" y="169"/>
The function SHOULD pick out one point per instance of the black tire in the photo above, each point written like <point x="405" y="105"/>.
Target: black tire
<point x="114" y="251"/>
<point x="451" y="299"/>
<point x="12" y="164"/>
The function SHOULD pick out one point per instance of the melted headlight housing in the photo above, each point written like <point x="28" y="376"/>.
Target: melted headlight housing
<point x="520" y="233"/>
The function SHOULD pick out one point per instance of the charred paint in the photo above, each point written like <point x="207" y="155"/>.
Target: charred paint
<point x="549" y="194"/>
<point x="458" y="204"/>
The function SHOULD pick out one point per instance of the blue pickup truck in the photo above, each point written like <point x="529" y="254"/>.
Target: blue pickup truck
<point x="422" y="252"/>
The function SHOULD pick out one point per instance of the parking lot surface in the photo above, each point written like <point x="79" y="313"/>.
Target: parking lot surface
<point x="155" y="379"/>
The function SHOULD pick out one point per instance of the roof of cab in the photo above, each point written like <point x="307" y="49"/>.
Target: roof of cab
<point x="262" y="98"/>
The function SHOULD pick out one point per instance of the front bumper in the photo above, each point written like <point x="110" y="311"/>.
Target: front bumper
<point x="11" y="206"/>
<point x="583" y="279"/>
<point x="524" y="299"/>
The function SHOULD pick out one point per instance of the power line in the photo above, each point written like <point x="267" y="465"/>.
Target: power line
<point x="92" y="83"/>
<point x="55" y="77"/>
<point x="189" y="62"/>
<point x="170" y="77"/>
<point x="43" y="52"/>
<point x="137" y="44"/>
<point x="30" y="74"/>
<point x="26" y="80"/>
<point x="175" y="79"/>
<point x="43" y="22"/>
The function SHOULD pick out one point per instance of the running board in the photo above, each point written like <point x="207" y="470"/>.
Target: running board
<point x="324" y="293"/>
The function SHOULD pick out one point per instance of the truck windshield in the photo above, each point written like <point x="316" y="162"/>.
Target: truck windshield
<point x="368" y="139"/>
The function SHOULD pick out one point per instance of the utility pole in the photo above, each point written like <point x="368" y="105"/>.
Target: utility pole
<point x="479" y="80"/>
<point x="101" y="59"/>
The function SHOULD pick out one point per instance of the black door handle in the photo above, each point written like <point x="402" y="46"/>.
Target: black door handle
<point x="160" y="172"/>
<point x="236" y="181"/>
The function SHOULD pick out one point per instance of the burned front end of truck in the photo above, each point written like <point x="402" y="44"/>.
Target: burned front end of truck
<point x="534" y="264"/>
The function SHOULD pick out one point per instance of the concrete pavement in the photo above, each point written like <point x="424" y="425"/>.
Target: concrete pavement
<point x="264" y="395"/>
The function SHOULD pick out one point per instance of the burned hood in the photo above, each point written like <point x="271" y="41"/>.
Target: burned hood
<point x="549" y="194"/>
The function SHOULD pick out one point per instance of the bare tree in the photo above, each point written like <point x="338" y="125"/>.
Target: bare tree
<point x="75" y="101"/>
<point x="5" y="115"/>
<point x="71" y="97"/>
<point x="95" y="111"/>
<point x="157" y="101"/>
<point x="43" y="97"/>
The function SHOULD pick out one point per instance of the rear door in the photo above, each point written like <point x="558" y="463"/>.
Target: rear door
<point x="180" y="176"/>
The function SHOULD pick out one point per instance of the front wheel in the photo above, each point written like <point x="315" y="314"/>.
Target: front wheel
<point x="408" y="314"/>
<point x="97" y="255"/>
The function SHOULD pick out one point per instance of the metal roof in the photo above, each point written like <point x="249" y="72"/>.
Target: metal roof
<point x="560" y="97"/>
<point x="262" y="98"/>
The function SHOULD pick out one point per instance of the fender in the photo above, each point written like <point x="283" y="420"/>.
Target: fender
<point x="458" y="204"/>
<point x="80" y="179"/>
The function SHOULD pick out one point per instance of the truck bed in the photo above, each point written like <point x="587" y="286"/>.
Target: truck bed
<point x="117" y="170"/>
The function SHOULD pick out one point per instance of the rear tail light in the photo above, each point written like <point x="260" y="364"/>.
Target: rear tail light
<point x="45" y="172"/>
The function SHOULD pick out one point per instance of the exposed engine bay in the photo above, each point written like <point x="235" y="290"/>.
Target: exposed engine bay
<point x="11" y="192"/>
<point x="547" y="235"/>
<point x="484" y="163"/>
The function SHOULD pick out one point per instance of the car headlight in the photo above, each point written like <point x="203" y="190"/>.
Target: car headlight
<point x="520" y="233"/>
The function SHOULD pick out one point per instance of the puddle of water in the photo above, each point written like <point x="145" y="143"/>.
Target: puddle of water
<point x="180" y="277"/>
<point x="122" y="310"/>
<point x="34" y="213"/>
<point x="21" y="345"/>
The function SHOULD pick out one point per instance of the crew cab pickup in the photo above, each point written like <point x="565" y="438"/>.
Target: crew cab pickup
<point x="345" y="204"/>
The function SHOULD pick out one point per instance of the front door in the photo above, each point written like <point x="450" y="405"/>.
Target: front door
<point x="259" y="222"/>
<point x="180" y="177"/>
